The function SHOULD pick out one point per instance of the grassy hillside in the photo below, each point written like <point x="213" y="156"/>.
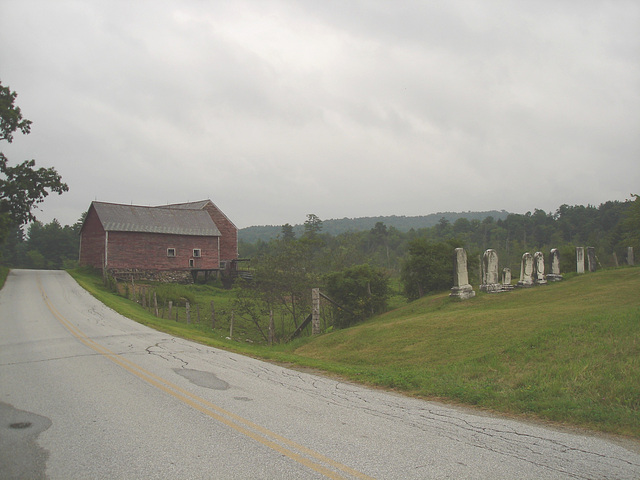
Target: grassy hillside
<point x="567" y="352"/>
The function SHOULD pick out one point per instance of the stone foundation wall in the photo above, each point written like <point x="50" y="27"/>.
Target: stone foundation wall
<point x="164" y="276"/>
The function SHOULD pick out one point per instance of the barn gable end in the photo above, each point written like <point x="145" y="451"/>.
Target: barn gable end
<point x="228" y="230"/>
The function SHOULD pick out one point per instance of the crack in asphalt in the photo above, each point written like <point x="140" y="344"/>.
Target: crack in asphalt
<point x="165" y="353"/>
<point x="550" y="454"/>
<point x="51" y="359"/>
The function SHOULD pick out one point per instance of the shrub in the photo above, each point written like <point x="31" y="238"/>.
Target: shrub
<point x="362" y="289"/>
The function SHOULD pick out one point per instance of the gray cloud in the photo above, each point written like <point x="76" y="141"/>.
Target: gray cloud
<point x="278" y="109"/>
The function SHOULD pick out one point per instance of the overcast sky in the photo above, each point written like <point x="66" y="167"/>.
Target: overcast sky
<point x="278" y="109"/>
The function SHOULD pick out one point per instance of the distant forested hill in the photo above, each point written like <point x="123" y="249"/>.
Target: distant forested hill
<point x="342" y="225"/>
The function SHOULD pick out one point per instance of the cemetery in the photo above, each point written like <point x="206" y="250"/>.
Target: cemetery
<point x="532" y="271"/>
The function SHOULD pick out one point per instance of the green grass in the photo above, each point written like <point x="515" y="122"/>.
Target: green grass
<point x="201" y="295"/>
<point x="567" y="352"/>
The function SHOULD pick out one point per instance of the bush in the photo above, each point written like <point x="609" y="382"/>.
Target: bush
<point x="362" y="289"/>
<point x="428" y="268"/>
<point x="174" y="293"/>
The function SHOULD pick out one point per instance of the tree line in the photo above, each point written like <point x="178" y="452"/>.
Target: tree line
<point x="337" y="226"/>
<point x="48" y="246"/>
<point x="356" y="268"/>
<point x="610" y="228"/>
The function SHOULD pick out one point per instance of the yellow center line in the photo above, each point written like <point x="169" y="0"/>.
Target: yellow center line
<point x="268" y="438"/>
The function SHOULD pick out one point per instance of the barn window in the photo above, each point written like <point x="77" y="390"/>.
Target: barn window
<point x="192" y="263"/>
<point x="171" y="252"/>
<point x="223" y="264"/>
<point x="196" y="252"/>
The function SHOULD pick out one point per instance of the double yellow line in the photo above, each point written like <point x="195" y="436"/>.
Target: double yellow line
<point x="280" y="444"/>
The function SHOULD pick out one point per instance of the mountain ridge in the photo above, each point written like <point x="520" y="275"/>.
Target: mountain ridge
<point x="343" y="225"/>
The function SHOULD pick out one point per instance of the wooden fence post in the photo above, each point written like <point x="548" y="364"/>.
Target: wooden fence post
<point x="231" y="325"/>
<point x="187" y="308"/>
<point x="271" y="327"/>
<point x="170" y="309"/>
<point x="155" y="303"/>
<point x="315" y="311"/>
<point x="213" y="316"/>
<point x="197" y="313"/>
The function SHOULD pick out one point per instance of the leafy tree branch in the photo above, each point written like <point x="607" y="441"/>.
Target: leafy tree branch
<point x="22" y="186"/>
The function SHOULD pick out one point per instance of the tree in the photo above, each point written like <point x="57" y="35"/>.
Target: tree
<point x="443" y="228"/>
<point x="630" y="224"/>
<point x="461" y="227"/>
<point x="379" y="237"/>
<point x="57" y="244"/>
<point x="362" y="289"/>
<point x="287" y="232"/>
<point x="283" y="278"/>
<point x="251" y="304"/>
<point x="11" y="116"/>
<point x="428" y="268"/>
<point x="13" y="250"/>
<point x="23" y="186"/>
<point x="312" y="227"/>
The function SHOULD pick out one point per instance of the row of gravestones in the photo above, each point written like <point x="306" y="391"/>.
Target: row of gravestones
<point x="531" y="271"/>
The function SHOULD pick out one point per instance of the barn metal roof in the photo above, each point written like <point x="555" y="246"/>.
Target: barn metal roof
<point x="176" y="221"/>
<point x="188" y="206"/>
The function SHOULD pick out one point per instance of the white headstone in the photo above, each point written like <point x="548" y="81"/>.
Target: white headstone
<point x="538" y="269"/>
<point x="490" y="282"/>
<point x="506" y="276"/>
<point x="506" y="279"/>
<point x="461" y="288"/>
<point x="526" y="271"/>
<point x="555" y="276"/>
<point x="580" y="259"/>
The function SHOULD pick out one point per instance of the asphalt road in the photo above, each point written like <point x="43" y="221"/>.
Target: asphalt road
<point x="86" y="393"/>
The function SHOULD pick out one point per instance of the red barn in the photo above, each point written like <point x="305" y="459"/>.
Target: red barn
<point x="170" y="242"/>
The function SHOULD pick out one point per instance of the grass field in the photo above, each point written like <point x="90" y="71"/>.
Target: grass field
<point x="567" y="352"/>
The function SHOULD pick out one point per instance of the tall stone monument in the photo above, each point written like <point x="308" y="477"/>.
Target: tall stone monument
<point x="591" y="259"/>
<point x="526" y="271"/>
<point x="490" y="281"/>
<point x="630" y="256"/>
<point x="580" y="259"/>
<point x="461" y="288"/>
<point x="554" y="276"/>
<point x="538" y="269"/>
